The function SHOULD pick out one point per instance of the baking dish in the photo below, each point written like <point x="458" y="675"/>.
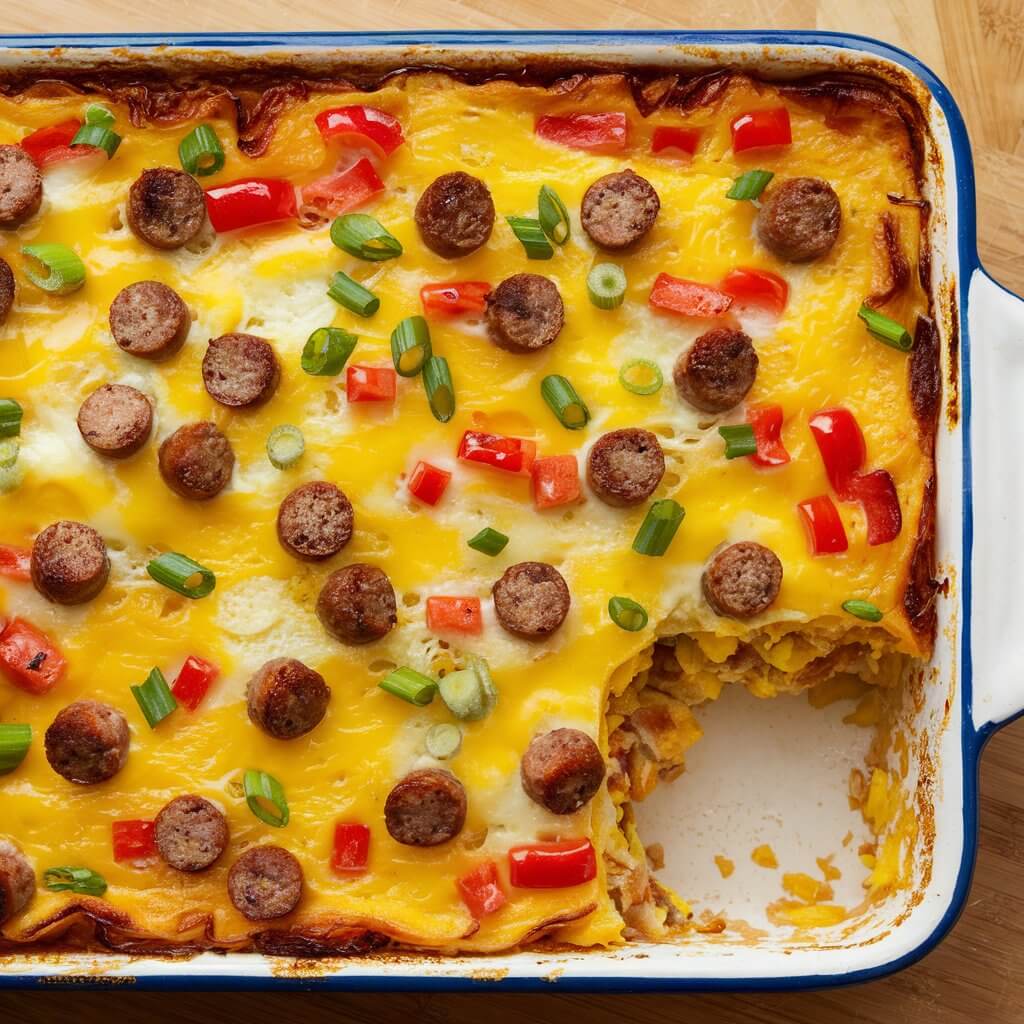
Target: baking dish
<point x="951" y="718"/>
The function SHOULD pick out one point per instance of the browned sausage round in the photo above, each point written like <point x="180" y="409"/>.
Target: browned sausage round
<point x="717" y="371"/>
<point x="742" y="580"/>
<point x="799" y="219"/>
<point x="196" y="461"/>
<point x="190" y="833"/>
<point x="287" y="699"/>
<point x="524" y="313"/>
<point x="69" y="563"/>
<point x="265" y="883"/>
<point x="149" y="320"/>
<point x="562" y="770"/>
<point x="17" y="881"/>
<point x="426" y="808"/>
<point x="115" y="420"/>
<point x="87" y="742"/>
<point x="315" y="521"/>
<point x="531" y="599"/>
<point x="625" y="466"/>
<point x="21" y="186"/>
<point x="7" y="289"/>
<point x="619" y="209"/>
<point x="357" y="604"/>
<point x="240" y="370"/>
<point x="455" y="214"/>
<point x="166" y="207"/>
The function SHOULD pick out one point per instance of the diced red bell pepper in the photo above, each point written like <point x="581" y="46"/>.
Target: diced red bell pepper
<point x="824" y="527"/>
<point x="428" y="483"/>
<point x="552" y="865"/>
<point x="760" y="128"/>
<point x="757" y="288"/>
<point x="370" y="383"/>
<point x="29" y="658"/>
<point x="684" y="139"/>
<point x="689" y="298"/>
<point x="481" y="890"/>
<point x="556" y="481"/>
<point x="250" y="201"/>
<point x="194" y="680"/>
<point x="598" y="133"/>
<point x="337" y="193"/>
<point x="512" y="454"/>
<point x="455" y="297"/>
<point x="351" y="848"/>
<point x="454" y="615"/>
<point x="767" y="423"/>
<point x="134" y="840"/>
<point x="841" y="444"/>
<point x="52" y="144"/>
<point x="369" y="123"/>
<point x="876" y="491"/>
<point x="15" y="563"/>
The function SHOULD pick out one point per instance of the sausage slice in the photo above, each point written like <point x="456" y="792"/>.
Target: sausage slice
<point x="455" y="215"/>
<point x="87" y="742"/>
<point x="21" y="186"/>
<point x="287" y="699"/>
<point x="196" y="461"/>
<point x="524" y="313"/>
<point x="265" y="883"/>
<point x="149" y="320"/>
<point x="619" y="209"/>
<point x="240" y="370"/>
<point x="742" y="580"/>
<point x="426" y="808"/>
<point x="625" y="466"/>
<point x="531" y="600"/>
<point x="357" y="604"/>
<point x="190" y="833"/>
<point x="115" y="420"/>
<point x="315" y="521"/>
<point x="717" y="371"/>
<point x="17" y="881"/>
<point x="69" y="563"/>
<point x="7" y="289"/>
<point x="166" y="207"/>
<point x="562" y="770"/>
<point x="799" y="219"/>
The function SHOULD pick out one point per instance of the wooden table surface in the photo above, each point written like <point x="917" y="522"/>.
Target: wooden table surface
<point x="977" y="48"/>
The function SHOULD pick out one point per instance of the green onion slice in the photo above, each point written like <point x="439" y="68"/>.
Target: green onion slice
<point x="553" y="216"/>
<point x="178" y="571"/>
<point x="65" y="272"/>
<point x="627" y="614"/>
<point x="410" y="685"/>
<point x="262" y="789"/>
<point x="155" y="698"/>
<point x="352" y="295"/>
<point x="863" y="610"/>
<point x="285" y="446"/>
<point x="606" y="285"/>
<point x="641" y="377"/>
<point x="562" y="400"/>
<point x="483" y="670"/>
<point x="469" y="693"/>
<point x="437" y="380"/>
<point x="531" y="234"/>
<point x="658" y="528"/>
<point x="410" y="346"/>
<point x="488" y="541"/>
<point x="327" y="350"/>
<point x="749" y="185"/>
<point x="99" y="136"/>
<point x="72" y="879"/>
<point x="9" y="450"/>
<point x="739" y="440"/>
<point x="885" y="329"/>
<point x="10" y="478"/>
<point x="200" y="152"/>
<point x="96" y="113"/>
<point x="443" y="741"/>
<point x="15" y="739"/>
<point x="10" y="417"/>
<point x="363" y="236"/>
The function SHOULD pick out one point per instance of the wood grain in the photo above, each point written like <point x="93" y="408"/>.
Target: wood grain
<point x="977" y="975"/>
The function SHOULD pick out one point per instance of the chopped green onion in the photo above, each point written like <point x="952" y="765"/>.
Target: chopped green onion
<point x="10" y="478"/>
<point x="469" y="693"/>
<point x="410" y="685"/>
<point x="175" y="571"/>
<point x="863" y="610"/>
<point x="885" y="329"/>
<point x="352" y="295"/>
<point x="443" y="741"/>
<point x="606" y="285"/>
<point x="553" y="216"/>
<point x="200" y="152"/>
<point x="483" y="670"/>
<point x="14" y="743"/>
<point x="65" y="272"/>
<point x="658" y="528"/>
<point x="70" y="879"/>
<point x="96" y="113"/>
<point x="739" y="440"/>
<point x="437" y="380"/>
<point x="627" y="614"/>
<point x="155" y="698"/>
<point x="10" y="417"/>
<point x="364" y="237"/>
<point x="571" y="410"/>
<point x="261" y="789"/>
<point x="285" y="446"/>
<point x="488" y="542"/>
<point x="99" y="136"/>
<point x="749" y="185"/>
<point x="641" y="377"/>
<point x="410" y="346"/>
<point x="9" y="449"/>
<point x="531" y="234"/>
<point x="327" y="350"/>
